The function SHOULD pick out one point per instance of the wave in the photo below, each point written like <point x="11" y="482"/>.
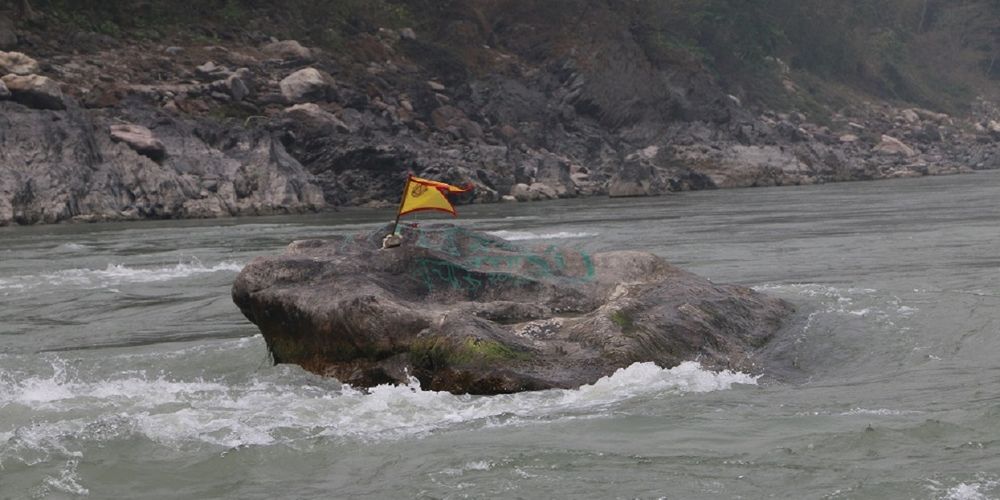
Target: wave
<point x="878" y="412"/>
<point x="527" y="235"/>
<point x="860" y="302"/>
<point x="72" y="247"/>
<point x="982" y="488"/>
<point x="114" y="274"/>
<point x="280" y="408"/>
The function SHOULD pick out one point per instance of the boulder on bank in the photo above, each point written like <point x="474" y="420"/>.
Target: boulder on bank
<point x="467" y="312"/>
<point x="306" y="85"/>
<point x="140" y="139"/>
<point x="892" y="146"/>
<point x="312" y="116"/>
<point x="35" y="91"/>
<point x="287" y="50"/>
<point x="17" y="63"/>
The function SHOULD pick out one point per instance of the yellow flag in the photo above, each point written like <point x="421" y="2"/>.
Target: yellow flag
<point x="423" y="194"/>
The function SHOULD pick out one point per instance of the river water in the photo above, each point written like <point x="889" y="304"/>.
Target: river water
<point x="127" y="372"/>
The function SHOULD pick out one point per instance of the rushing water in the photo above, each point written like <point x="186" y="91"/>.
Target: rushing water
<point x="127" y="372"/>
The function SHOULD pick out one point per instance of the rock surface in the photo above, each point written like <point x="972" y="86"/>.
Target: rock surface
<point x="287" y="50"/>
<point x="70" y="168"/>
<point x="35" y="91"/>
<point x="305" y="85"/>
<point x="467" y="312"/>
<point x="140" y="139"/>
<point x="311" y="115"/>
<point x="518" y="104"/>
<point x="17" y="63"/>
<point x="892" y="146"/>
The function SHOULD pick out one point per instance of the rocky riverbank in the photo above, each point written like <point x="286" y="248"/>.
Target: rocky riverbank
<point x="98" y="128"/>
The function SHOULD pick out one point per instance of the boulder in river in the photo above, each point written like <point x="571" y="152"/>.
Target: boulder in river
<point x="468" y="312"/>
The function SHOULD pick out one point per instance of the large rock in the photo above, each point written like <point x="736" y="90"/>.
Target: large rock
<point x="742" y="166"/>
<point x="311" y="115"/>
<point x="140" y="139"/>
<point x="452" y="119"/>
<point x="637" y="176"/>
<point x="466" y="312"/>
<point x="909" y="116"/>
<point x="65" y="165"/>
<point x="210" y="72"/>
<point x="993" y="127"/>
<point x="235" y="88"/>
<point x="305" y="85"/>
<point x="17" y="63"/>
<point x="35" y="91"/>
<point x="891" y="146"/>
<point x="4" y="91"/>
<point x="287" y="50"/>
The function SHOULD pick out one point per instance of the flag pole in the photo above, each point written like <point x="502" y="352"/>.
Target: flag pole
<point x="392" y="240"/>
<point x="402" y="199"/>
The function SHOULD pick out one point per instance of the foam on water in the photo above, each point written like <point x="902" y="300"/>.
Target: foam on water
<point x="278" y="408"/>
<point x="115" y="274"/>
<point x="982" y="488"/>
<point x="858" y="302"/>
<point x="527" y="235"/>
<point x="877" y="412"/>
<point x="72" y="247"/>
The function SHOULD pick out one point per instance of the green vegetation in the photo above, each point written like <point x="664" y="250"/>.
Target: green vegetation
<point x="234" y="113"/>
<point x="474" y="349"/>
<point x="882" y="47"/>
<point x="439" y="352"/>
<point x="933" y="53"/>
<point x="318" y="22"/>
<point x="623" y="320"/>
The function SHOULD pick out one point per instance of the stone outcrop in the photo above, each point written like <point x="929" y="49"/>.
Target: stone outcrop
<point x="17" y="63"/>
<point x="467" y="312"/>
<point x="306" y="85"/>
<point x="638" y="176"/>
<point x="892" y="146"/>
<point x="71" y="168"/>
<point x="287" y="50"/>
<point x="35" y="91"/>
<point x="313" y="116"/>
<point x="140" y="139"/>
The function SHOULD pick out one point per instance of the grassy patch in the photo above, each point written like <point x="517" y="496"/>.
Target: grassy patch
<point x="487" y="350"/>
<point x="623" y="320"/>
<point x="436" y="353"/>
<point x="317" y="22"/>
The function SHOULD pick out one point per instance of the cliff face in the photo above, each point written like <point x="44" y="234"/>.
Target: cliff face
<point x="528" y="100"/>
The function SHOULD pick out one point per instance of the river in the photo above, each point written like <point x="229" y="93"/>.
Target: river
<point x="127" y="372"/>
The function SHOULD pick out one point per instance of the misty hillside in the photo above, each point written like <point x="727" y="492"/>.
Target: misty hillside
<point x="157" y="109"/>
